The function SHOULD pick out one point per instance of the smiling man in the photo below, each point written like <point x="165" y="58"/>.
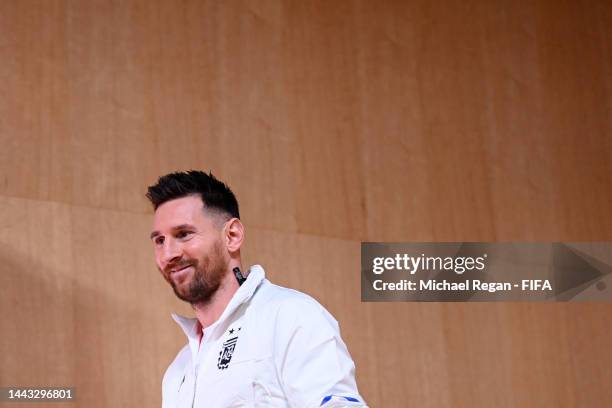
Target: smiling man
<point x="252" y="343"/>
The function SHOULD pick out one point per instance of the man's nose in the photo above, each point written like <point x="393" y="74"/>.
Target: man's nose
<point x="171" y="252"/>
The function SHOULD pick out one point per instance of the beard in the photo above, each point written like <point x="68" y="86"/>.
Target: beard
<point x="205" y="279"/>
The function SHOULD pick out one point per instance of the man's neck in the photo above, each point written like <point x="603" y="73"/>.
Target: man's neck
<point x="209" y="312"/>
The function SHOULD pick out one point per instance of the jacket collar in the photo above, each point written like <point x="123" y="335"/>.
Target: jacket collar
<point x="190" y="325"/>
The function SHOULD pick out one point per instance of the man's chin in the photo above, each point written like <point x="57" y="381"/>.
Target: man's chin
<point x="187" y="294"/>
<point x="192" y="295"/>
<point x="185" y="297"/>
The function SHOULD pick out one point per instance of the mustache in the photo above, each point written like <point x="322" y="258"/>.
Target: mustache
<point x="179" y="265"/>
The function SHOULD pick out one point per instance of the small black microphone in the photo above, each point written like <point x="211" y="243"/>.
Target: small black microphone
<point x="239" y="276"/>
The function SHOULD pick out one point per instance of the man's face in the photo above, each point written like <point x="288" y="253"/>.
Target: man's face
<point x="189" y="249"/>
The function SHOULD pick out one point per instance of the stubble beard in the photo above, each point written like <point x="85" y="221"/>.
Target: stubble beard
<point x="206" y="279"/>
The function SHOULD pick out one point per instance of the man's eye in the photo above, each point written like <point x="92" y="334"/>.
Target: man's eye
<point x="183" y="234"/>
<point x="159" y="240"/>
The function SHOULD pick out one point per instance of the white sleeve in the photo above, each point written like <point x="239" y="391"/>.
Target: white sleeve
<point x="315" y="367"/>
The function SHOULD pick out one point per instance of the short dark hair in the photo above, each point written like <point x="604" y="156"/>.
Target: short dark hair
<point x="215" y="194"/>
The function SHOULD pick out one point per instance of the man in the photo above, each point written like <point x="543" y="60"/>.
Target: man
<point x="252" y="343"/>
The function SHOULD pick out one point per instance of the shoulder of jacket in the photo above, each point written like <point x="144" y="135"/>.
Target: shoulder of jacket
<point x="274" y="296"/>
<point x="291" y="304"/>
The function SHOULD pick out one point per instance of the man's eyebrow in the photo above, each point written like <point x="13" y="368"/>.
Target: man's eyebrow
<point x="182" y="226"/>
<point x="176" y="228"/>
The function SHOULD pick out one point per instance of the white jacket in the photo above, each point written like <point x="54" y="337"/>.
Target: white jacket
<point x="271" y="347"/>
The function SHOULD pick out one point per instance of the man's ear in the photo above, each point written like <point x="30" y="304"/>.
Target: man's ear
<point x="234" y="234"/>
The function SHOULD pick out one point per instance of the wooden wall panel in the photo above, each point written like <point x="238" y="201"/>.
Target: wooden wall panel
<point x="79" y="304"/>
<point x="383" y="104"/>
<point x="35" y="306"/>
<point x="334" y="122"/>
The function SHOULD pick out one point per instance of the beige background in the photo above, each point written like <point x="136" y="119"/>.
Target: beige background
<point x="334" y="122"/>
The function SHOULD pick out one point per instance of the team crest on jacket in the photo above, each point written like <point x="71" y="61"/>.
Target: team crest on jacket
<point x="226" y="353"/>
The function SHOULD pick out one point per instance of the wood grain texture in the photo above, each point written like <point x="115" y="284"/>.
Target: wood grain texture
<point x="335" y="123"/>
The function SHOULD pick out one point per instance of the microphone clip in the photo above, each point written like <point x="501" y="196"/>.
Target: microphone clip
<point x="239" y="277"/>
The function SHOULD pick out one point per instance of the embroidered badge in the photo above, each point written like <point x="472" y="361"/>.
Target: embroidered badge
<point x="226" y="353"/>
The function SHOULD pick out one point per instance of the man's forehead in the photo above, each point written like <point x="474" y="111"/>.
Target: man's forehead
<point x="182" y="211"/>
<point x="178" y="211"/>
